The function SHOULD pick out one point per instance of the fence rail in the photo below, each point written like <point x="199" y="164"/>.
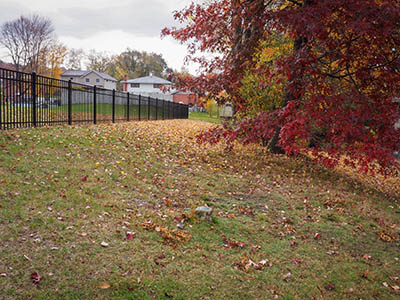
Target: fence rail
<point x="30" y="100"/>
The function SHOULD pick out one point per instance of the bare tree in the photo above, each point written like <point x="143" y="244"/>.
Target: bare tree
<point x="99" y="61"/>
<point x="74" y="59"/>
<point x="25" y="38"/>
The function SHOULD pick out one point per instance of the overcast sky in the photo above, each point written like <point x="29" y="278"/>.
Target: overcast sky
<point x="107" y="25"/>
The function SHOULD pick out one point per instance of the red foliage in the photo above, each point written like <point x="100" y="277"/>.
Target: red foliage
<point x="342" y="75"/>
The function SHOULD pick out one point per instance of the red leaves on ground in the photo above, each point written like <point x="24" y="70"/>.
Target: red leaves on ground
<point x="317" y="236"/>
<point x="36" y="278"/>
<point x="329" y="287"/>
<point x="130" y="235"/>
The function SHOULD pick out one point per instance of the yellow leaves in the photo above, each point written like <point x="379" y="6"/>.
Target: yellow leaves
<point x="386" y="237"/>
<point x="287" y="4"/>
<point x="261" y="93"/>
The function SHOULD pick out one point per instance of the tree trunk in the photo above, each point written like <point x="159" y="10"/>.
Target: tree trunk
<point x="273" y="146"/>
<point x="299" y="43"/>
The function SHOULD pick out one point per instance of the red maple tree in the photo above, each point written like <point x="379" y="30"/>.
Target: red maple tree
<point x="342" y="75"/>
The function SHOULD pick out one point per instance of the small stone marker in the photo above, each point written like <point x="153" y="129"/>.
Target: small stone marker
<point x="204" y="213"/>
<point x="227" y="111"/>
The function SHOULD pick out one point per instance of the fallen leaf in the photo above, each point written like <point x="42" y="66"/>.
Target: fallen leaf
<point x="329" y="287"/>
<point x="130" y="235"/>
<point x="297" y="261"/>
<point x="366" y="256"/>
<point x="35" y="278"/>
<point x="104" y="286"/>
<point x="384" y="236"/>
<point x="287" y="276"/>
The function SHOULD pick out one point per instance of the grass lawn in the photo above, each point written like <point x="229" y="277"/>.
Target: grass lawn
<point x="282" y="228"/>
<point x="79" y="112"/>
<point x="204" y="117"/>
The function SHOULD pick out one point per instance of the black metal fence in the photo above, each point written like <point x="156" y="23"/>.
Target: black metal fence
<point x="30" y="100"/>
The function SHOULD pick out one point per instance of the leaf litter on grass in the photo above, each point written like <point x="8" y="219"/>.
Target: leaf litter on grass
<point x="103" y="182"/>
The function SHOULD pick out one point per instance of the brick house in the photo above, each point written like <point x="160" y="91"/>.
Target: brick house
<point x="187" y="98"/>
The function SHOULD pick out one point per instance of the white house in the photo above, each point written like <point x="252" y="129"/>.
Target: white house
<point x="88" y="77"/>
<point x="149" y="86"/>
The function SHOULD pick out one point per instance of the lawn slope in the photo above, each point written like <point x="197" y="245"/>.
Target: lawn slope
<point x="282" y="228"/>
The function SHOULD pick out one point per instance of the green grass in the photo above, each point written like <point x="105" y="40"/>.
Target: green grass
<point x="79" y="111"/>
<point x="120" y="110"/>
<point x="146" y="177"/>
<point x="204" y="117"/>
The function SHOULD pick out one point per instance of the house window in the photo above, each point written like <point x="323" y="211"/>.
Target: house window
<point x="157" y="85"/>
<point x="87" y="79"/>
<point x="97" y="80"/>
<point x="135" y="85"/>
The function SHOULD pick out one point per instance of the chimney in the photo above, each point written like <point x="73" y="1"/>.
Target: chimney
<point x="125" y="84"/>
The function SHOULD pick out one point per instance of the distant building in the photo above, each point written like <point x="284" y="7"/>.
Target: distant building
<point x="8" y="66"/>
<point x="149" y="86"/>
<point x="187" y="98"/>
<point x="90" y="78"/>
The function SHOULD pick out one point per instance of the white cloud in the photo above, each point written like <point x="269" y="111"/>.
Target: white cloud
<point x="110" y="26"/>
<point x="116" y="41"/>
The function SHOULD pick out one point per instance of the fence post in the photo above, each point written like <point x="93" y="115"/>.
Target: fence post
<point x="113" y="105"/>
<point x="69" y="102"/>
<point x="156" y="108"/>
<point x="33" y="94"/>
<point x="94" y="105"/>
<point x="175" y="110"/>
<point x="140" y="100"/>
<point x="127" y="106"/>
<point x="148" y="108"/>
<point x="163" y="101"/>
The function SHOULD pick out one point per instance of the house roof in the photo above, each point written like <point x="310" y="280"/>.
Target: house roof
<point x="81" y="73"/>
<point x="7" y="66"/>
<point x="149" y="80"/>
<point x="183" y="93"/>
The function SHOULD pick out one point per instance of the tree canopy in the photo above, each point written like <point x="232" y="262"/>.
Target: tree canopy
<point x="338" y="80"/>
